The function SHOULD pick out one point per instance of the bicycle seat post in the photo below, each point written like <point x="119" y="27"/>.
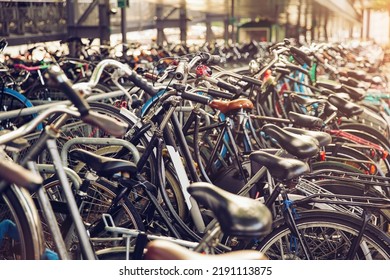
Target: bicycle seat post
<point x="210" y="239"/>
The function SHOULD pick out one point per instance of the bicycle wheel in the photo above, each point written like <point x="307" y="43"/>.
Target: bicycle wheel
<point x="95" y="201"/>
<point x="368" y="133"/>
<point x="328" y="236"/>
<point x="21" y="232"/>
<point x="375" y="137"/>
<point x="13" y="100"/>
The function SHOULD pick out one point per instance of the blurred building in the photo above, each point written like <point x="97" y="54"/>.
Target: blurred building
<point x="271" y="20"/>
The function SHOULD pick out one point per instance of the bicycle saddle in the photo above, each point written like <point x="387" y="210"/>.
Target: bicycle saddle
<point x="348" y="108"/>
<point x="103" y="166"/>
<point x="354" y="83"/>
<point x="228" y="106"/>
<point x="323" y="138"/>
<point x="305" y="120"/>
<point x="329" y="85"/>
<point x="355" y="93"/>
<point x="302" y="100"/>
<point x="237" y="215"/>
<point x="301" y="146"/>
<point x="360" y="75"/>
<point x="283" y="169"/>
<point x="343" y="95"/>
<point x="166" y="250"/>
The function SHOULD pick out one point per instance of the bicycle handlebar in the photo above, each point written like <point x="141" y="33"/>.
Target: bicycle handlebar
<point x="31" y="68"/>
<point x="138" y="80"/>
<point x="219" y="94"/>
<point x="15" y="174"/>
<point x="181" y="70"/>
<point x="184" y="66"/>
<point x="58" y="77"/>
<point x="195" y="97"/>
<point x="108" y="124"/>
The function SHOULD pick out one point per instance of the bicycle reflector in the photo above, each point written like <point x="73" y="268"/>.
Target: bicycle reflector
<point x="322" y="155"/>
<point x="203" y="70"/>
<point x="373" y="169"/>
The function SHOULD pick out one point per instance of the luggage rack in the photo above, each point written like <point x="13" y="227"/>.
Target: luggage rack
<point x="134" y="237"/>
<point x="309" y="188"/>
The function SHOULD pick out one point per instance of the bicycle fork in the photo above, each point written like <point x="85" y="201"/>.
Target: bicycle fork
<point x="289" y="216"/>
<point x="366" y="216"/>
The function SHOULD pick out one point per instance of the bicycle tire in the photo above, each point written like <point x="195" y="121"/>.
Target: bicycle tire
<point x="96" y="202"/>
<point x="16" y="206"/>
<point x="327" y="235"/>
<point x="370" y="133"/>
<point x="12" y="100"/>
<point x="148" y="172"/>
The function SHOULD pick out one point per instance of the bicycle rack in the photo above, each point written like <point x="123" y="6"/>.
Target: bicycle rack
<point x="130" y="235"/>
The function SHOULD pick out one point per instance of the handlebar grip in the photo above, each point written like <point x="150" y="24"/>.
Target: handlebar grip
<point x="151" y="76"/>
<point x="277" y="45"/>
<point x="215" y="59"/>
<point x="142" y="84"/>
<point x="195" y="97"/>
<point x="14" y="173"/>
<point x="300" y="54"/>
<point x="58" y="77"/>
<point x="251" y="80"/>
<point x="298" y="68"/>
<point x="229" y="87"/>
<point x="108" y="124"/>
<point x="219" y="94"/>
<point x="180" y="70"/>
<point x="281" y="70"/>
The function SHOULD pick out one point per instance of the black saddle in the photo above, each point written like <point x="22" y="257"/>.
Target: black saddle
<point x="237" y="215"/>
<point x="301" y="146"/>
<point x="103" y="166"/>
<point x="305" y="120"/>
<point x="355" y="93"/>
<point x="348" y="108"/>
<point x="283" y="169"/>
<point x="304" y="100"/>
<point x="323" y="138"/>
<point x="329" y="85"/>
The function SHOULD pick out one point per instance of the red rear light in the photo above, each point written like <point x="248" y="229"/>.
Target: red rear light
<point x="322" y="156"/>
<point x="372" y="169"/>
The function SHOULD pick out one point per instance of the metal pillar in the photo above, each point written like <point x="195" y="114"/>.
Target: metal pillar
<point x="287" y="27"/>
<point x="233" y="20"/>
<point x="368" y="24"/>
<point x="124" y="28"/>
<point x="183" y="26"/>
<point x="226" y="30"/>
<point x="75" y="23"/>
<point x="313" y="25"/>
<point x="209" y="32"/>
<point x="306" y="21"/>
<point x="160" y="29"/>
<point x="71" y="11"/>
<point x="21" y="14"/>
<point x="326" y="17"/>
<point x="298" y="26"/>
<point x="104" y="22"/>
